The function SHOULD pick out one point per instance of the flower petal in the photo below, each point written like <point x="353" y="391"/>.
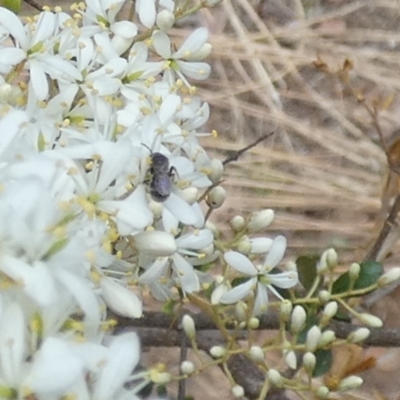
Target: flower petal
<point x="240" y="262"/>
<point x="238" y="292"/>
<point x="275" y="254"/>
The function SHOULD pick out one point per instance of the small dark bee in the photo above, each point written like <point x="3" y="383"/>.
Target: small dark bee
<point x="161" y="176"/>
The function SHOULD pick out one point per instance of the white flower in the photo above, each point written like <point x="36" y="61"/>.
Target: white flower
<point x="30" y="48"/>
<point x="175" y="63"/>
<point x="260" y="276"/>
<point x="184" y="273"/>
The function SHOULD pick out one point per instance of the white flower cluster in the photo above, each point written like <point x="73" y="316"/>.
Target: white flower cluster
<point x="100" y="174"/>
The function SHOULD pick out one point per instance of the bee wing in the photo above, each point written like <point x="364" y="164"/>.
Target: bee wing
<point x="160" y="187"/>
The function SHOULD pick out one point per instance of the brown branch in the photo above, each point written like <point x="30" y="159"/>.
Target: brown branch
<point x="167" y="330"/>
<point x="35" y="5"/>
<point x="235" y="156"/>
<point x="388" y="225"/>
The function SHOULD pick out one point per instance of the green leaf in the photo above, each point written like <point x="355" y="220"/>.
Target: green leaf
<point x="238" y="281"/>
<point x="324" y="362"/>
<point x="370" y="272"/>
<point x="12" y="5"/>
<point x="307" y="269"/>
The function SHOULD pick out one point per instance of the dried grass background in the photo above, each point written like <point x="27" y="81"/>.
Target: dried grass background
<point x="323" y="170"/>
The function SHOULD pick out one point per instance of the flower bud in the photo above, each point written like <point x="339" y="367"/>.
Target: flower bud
<point x="260" y="220"/>
<point x="358" y="335"/>
<point x="190" y="194"/>
<point x="322" y="392"/>
<point x="217" y="171"/>
<point x="216" y="197"/>
<point x="350" y="383"/>
<point x="165" y="20"/>
<point x="201" y="54"/>
<point x="328" y="260"/>
<point x="286" y="307"/>
<point x="256" y="354"/>
<point x="354" y="271"/>
<point x="155" y="243"/>
<point x="238" y="391"/>
<point x="275" y="378"/>
<point x="241" y="311"/>
<point x="309" y="362"/>
<point x="370" y="320"/>
<point x="260" y="245"/>
<point x="254" y="323"/>
<point x="298" y="319"/>
<point x="217" y="351"/>
<point x="244" y="246"/>
<point x="313" y="338"/>
<point x="390" y="276"/>
<point x="188" y="326"/>
<point x="330" y="311"/>
<point x="324" y="296"/>
<point x="326" y="338"/>
<point x="237" y="223"/>
<point x="187" y="368"/>
<point x="291" y="359"/>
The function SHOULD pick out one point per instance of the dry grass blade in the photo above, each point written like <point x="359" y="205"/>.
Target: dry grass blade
<point x="324" y="170"/>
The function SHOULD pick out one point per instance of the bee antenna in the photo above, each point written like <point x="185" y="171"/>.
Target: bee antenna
<point x="147" y="147"/>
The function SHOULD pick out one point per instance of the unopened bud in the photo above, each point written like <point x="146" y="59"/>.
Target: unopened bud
<point x="324" y="296"/>
<point x="188" y="326"/>
<point x="254" y="323"/>
<point x="286" y="307"/>
<point x="354" y="271"/>
<point x="190" y="194"/>
<point x="260" y="245"/>
<point x="298" y="319"/>
<point x="260" y="220"/>
<point x="327" y="261"/>
<point x="237" y="223"/>
<point x="330" y="311"/>
<point x="187" y="368"/>
<point x="390" y="276"/>
<point x="238" y="391"/>
<point x="275" y="378"/>
<point x="291" y="359"/>
<point x="217" y="351"/>
<point x="322" y="392"/>
<point x="327" y="337"/>
<point x="358" y="335"/>
<point x="201" y="54"/>
<point x="216" y="197"/>
<point x="256" y="354"/>
<point x="217" y="170"/>
<point x="241" y="311"/>
<point x="309" y="362"/>
<point x="350" y="383"/>
<point x="313" y="338"/>
<point x="370" y="320"/>
<point x="165" y="20"/>
<point x="244" y="245"/>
